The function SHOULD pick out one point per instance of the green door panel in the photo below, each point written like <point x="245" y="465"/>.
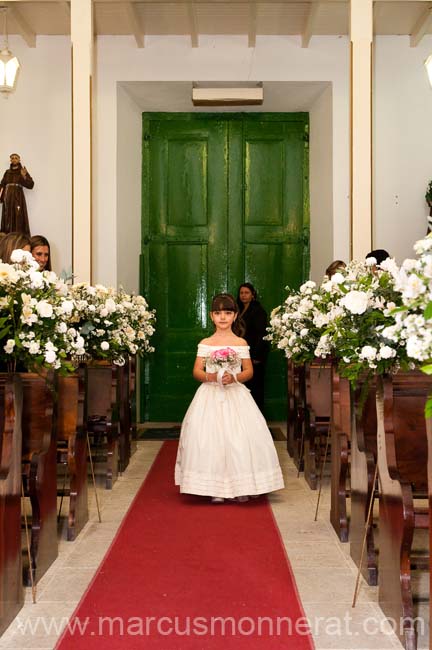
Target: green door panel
<point x="225" y="200"/>
<point x="185" y="251"/>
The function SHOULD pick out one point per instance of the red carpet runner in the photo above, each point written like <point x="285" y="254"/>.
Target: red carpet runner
<point x="183" y="574"/>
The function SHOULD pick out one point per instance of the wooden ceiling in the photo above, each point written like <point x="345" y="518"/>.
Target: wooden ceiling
<point x="201" y="17"/>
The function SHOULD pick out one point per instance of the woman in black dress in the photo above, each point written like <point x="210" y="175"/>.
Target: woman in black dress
<point x="254" y="318"/>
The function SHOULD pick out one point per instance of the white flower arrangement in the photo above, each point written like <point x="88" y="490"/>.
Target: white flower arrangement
<point x="346" y="318"/>
<point x="33" y="328"/>
<point x="356" y="332"/>
<point x="108" y="324"/>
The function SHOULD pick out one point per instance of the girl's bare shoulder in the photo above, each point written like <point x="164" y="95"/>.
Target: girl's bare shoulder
<point x="205" y="342"/>
<point x="239" y="341"/>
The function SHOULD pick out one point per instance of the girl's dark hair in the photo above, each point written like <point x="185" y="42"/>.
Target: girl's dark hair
<point x="11" y="242"/>
<point x="40" y="240"/>
<point x="226" y="302"/>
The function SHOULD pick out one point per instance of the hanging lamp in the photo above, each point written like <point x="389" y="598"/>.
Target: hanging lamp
<point x="9" y="64"/>
<point x="428" y="66"/>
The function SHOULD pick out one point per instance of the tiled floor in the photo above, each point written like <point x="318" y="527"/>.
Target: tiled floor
<point x="322" y="567"/>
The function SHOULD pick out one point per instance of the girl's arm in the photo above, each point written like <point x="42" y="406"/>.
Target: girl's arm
<point x="199" y="372"/>
<point x="245" y="374"/>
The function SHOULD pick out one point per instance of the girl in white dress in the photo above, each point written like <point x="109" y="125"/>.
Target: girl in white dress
<point x="226" y="450"/>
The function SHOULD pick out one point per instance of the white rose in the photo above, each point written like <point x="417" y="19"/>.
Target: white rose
<point x="8" y="348"/>
<point x="368" y="352"/>
<point x="337" y="278"/>
<point x="34" y="347"/>
<point x="110" y="305"/>
<point x="36" y="279"/>
<point x="50" y="356"/>
<point x="371" y="261"/>
<point x="44" y="309"/>
<point x="105" y="345"/>
<point x="67" y="306"/>
<point x="355" y="301"/>
<point x="18" y="256"/>
<point x="386" y="352"/>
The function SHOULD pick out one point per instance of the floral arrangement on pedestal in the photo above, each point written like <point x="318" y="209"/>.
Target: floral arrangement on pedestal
<point x="33" y="318"/>
<point x="46" y="324"/>
<point x="110" y="324"/>
<point x="346" y="317"/>
<point x="413" y="321"/>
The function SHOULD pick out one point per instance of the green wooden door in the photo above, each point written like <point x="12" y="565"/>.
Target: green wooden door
<point x="224" y="201"/>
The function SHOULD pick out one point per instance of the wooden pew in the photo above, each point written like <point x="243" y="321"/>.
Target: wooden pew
<point x="317" y="416"/>
<point x="290" y="408"/>
<point x="11" y="586"/>
<point x="299" y="410"/>
<point x="133" y="402"/>
<point x="101" y="415"/>
<point x="39" y="449"/>
<point x="72" y="448"/>
<point x="125" y="433"/>
<point x="340" y="441"/>
<point x="362" y="464"/>
<point x="402" y="463"/>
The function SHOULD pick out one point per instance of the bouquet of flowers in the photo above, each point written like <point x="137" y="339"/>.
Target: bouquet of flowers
<point x="296" y="326"/>
<point x="357" y="332"/>
<point x="109" y="324"/>
<point x="33" y="316"/>
<point x="223" y="360"/>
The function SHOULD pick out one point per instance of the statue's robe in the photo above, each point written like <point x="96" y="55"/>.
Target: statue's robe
<point x="14" y="214"/>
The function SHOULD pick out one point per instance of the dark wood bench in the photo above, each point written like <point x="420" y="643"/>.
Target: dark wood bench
<point x="340" y="442"/>
<point x="402" y="463"/>
<point x="317" y="416"/>
<point x="102" y="416"/>
<point x="72" y="449"/>
<point x="362" y="473"/>
<point x="39" y="453"/>
<point x="11" y="585"/>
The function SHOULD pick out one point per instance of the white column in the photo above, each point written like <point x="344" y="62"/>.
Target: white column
<point x="82" y="67"/>
<point x="361" y="29"/>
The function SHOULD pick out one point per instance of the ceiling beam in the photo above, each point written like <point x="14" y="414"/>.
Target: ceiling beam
<point x="310" y="23"/>
<point x="193" y="23"/>
<point x="421" y="27"/>
<point x="66" y="8"/>
<point x="252" y="24"/>
<point x="24" y="29"/>
<point x="134" y="24"/>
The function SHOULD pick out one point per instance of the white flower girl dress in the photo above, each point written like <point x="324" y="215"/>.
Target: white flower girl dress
<point x="225" y="448"/>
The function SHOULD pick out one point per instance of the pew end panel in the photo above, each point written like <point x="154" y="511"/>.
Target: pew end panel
<point x="402" y="454"/>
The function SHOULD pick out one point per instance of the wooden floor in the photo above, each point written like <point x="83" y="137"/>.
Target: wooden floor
<point x="323" y="569"/>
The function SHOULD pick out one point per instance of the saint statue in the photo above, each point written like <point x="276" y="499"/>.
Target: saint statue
<point x="14" y="214"/>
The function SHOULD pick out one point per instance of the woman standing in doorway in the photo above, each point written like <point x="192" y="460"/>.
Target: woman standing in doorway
<point x="254" y="318"/>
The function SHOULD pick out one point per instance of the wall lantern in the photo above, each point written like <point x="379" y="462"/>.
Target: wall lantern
<point x="9" y="64"/>
<point x="428" y="66"/>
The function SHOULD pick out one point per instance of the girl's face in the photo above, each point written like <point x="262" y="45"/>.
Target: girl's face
<point x="223" y="319"/>
<point x="41" y="255"/>
<point x="246" y="295"/>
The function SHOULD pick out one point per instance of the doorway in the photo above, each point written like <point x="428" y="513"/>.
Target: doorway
<point x="225" y="199"/>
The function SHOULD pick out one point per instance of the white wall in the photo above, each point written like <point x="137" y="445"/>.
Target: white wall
<point x="36" y="123"/>
<point x="129" y="162"/>
<point x="217" y="58"/>
<point x="403" y="143"/>
<point x="321" y="186"/>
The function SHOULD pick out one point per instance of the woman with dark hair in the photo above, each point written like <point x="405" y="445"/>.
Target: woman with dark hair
<point x="254" y="318"/>
<point x="11" y="242"/>
<point x="41" y="251"/>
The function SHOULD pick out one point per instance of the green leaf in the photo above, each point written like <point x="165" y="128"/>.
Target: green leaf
<point x="428" y="407"/>
<point x="428" y="311"/>
<point x="427" y="369"/>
